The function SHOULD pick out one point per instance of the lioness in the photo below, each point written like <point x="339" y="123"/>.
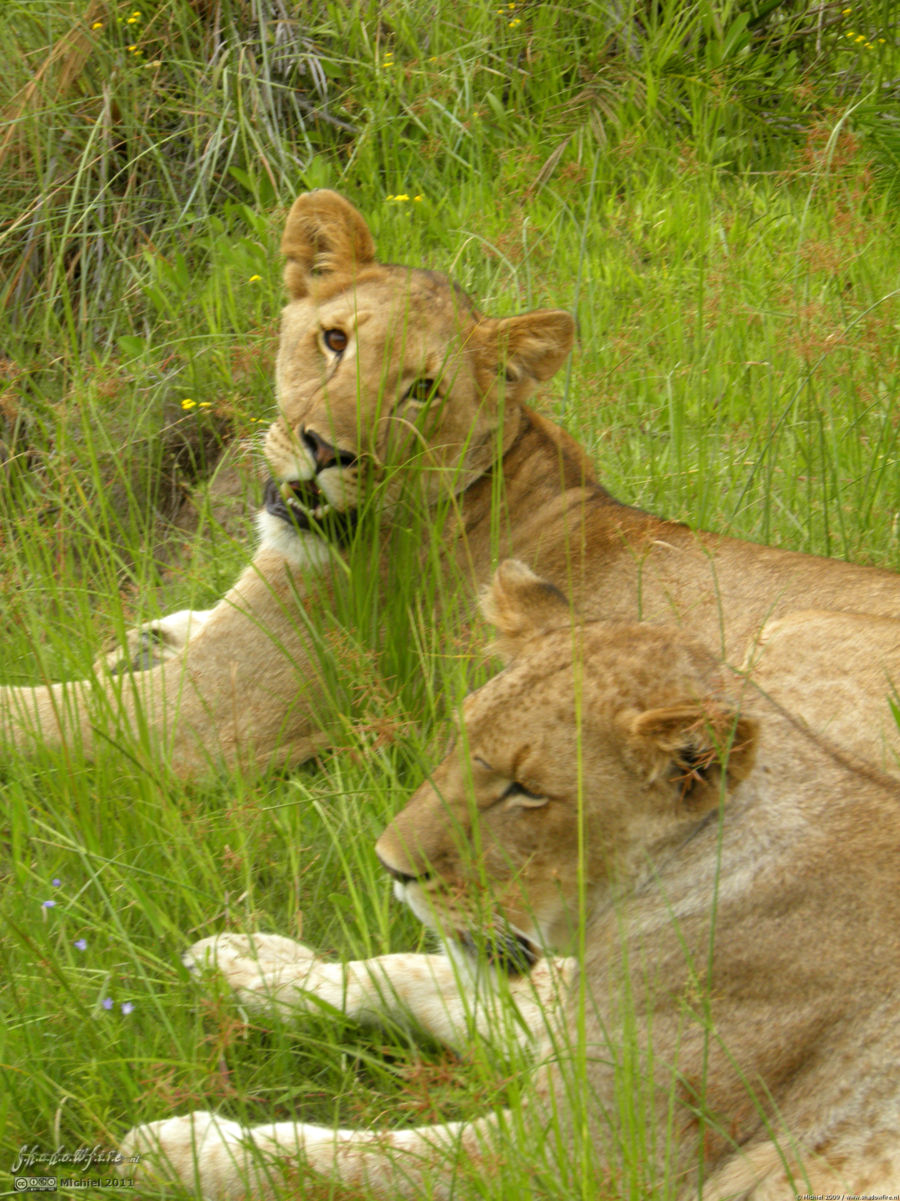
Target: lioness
<point x="387" y="374"/>
<point x="729" y="880"/>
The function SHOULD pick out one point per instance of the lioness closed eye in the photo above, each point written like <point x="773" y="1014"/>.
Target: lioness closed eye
<point x="388" y="374"/>
<point x="732" y="1028"/>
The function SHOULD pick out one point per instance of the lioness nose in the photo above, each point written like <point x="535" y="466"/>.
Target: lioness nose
<point x="323" y="453"/>
<point x="403" y="877"/>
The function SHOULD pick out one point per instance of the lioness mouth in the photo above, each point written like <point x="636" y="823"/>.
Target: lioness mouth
<point x="303" y="505"/>
<point x="506" y="950"/>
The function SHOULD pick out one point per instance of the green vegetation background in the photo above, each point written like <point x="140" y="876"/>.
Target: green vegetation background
<point x="711" y="186"/>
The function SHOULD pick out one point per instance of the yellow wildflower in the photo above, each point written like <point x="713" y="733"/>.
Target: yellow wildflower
<point x="187" y="404"/>
<point x="516" y="21"/>
<point x="97" y="25"/>
<point x="254" y="279"/>
<point x="416" y="199"/>
<point x="205" y="404"/>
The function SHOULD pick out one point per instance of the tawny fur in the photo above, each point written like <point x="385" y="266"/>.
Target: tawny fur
<point x="243" y="687"/>
<point x="840" y="674"/>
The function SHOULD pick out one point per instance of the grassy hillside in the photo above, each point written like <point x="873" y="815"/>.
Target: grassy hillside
<point x="712" y="187"/>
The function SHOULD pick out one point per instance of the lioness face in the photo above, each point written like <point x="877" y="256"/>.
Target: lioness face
<point x="595" y="750"/>
<point x="386" y="376"/>
<point x="364" y="389"/>
<point x="487" y="850"/>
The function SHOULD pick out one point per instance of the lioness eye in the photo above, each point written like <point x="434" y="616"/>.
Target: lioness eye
<point x="421" y="391"/>
<point x="523" y="796"/>
<point x="336" y="340"/>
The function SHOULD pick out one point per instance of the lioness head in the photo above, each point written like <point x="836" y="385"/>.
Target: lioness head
<point x="597" y="748"/>
<point x="380" y="367"/>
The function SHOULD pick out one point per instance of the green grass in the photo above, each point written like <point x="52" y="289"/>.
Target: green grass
<point x="719" y="210"/>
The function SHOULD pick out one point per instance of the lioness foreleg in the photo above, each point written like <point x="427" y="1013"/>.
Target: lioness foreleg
<point x="225" y="1161"/>
<point x="244" y="690"/>
<point x="274" y="974"/>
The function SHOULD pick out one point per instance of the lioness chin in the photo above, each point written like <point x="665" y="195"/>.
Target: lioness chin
<point x="731" y="1027"/>
<point x="389" y="382"/>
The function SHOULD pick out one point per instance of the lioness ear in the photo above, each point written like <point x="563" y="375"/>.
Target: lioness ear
<point x="533" y="345"/>
<point x="521" y="605"/>
<point x="324" y="234"/>
<point x="692" y="744"/>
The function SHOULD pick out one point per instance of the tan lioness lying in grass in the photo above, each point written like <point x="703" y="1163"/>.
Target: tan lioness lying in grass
<point x="731" y="882"/>
<point x="391" y="384"/>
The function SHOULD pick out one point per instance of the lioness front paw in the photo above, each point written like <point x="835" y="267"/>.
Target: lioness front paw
<point x="224" y="1161"/>
<point x="144" y="648"/>
<point x="198" y="1150"/>
<point x="265" y="970"/>
<point x="154" y="642"/>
